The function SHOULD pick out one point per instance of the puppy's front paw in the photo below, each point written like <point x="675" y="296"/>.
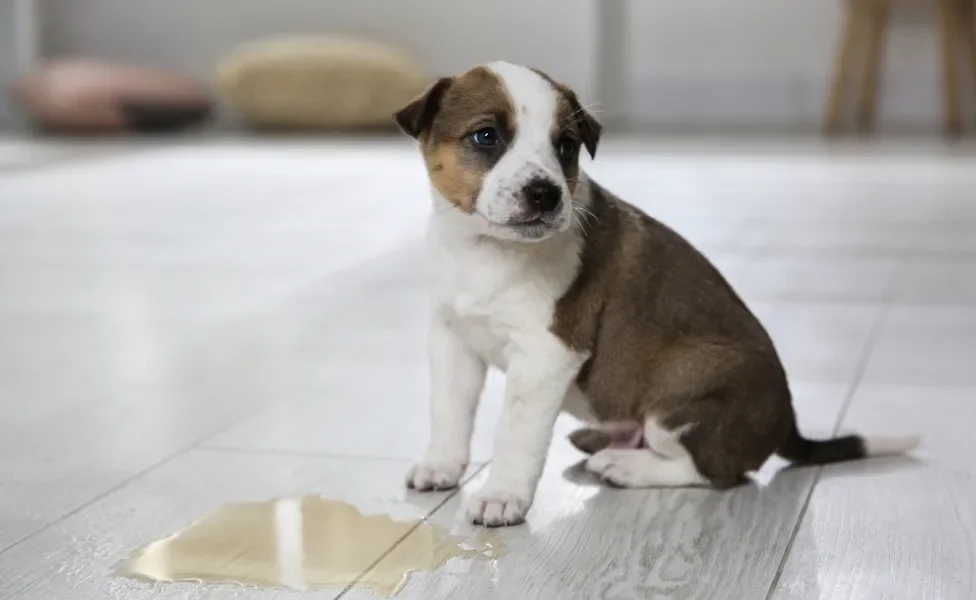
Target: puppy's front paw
<point x="435" y="475"/>
<point x="495" y="508"/>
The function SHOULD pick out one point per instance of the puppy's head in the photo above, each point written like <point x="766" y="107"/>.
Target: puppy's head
<point x="502" y="144"/>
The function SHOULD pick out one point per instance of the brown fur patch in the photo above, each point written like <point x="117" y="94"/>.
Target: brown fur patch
<point x="459" y="184"/>
<point x="669" y="338"/>
<point x="457" y="169"/>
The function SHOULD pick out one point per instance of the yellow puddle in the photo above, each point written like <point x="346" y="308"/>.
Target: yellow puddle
<point x="304" y="543"/>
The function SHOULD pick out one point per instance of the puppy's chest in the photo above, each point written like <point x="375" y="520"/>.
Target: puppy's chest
<point x="492" y="298"/>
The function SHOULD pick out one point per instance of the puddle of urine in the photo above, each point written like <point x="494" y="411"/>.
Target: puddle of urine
<point x="304" y="543"/>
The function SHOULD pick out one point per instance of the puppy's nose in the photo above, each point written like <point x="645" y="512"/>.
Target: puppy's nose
<point x="543" y="195"/>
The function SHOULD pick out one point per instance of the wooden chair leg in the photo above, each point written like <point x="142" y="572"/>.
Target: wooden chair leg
<point x="836" y="98"/>
<point x="968" y="25"/>
<point x="878" y="13"/>
<point x="948" y="21"/>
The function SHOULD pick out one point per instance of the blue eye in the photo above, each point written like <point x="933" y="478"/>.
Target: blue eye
<point x="486" y="138"/>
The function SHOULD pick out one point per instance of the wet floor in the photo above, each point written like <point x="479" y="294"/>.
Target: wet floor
<point x="304" y="543"/>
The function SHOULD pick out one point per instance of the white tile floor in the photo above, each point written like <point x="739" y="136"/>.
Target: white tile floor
<point x="198" y="323"/>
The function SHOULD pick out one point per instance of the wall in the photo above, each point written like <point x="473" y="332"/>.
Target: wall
<point x="768" y="61"/>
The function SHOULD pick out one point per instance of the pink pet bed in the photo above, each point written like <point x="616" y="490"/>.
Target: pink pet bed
<point x="86" y="96"/>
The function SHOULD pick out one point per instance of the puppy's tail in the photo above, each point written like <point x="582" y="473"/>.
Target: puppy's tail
<point x="802" y="451"/>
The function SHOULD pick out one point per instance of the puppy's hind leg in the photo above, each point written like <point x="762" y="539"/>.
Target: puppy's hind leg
<point x="617" y="435"/>
<point x="663" y="463"/>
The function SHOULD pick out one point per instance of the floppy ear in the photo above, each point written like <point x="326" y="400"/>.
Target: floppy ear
<point x="417" y="117"/>
<point x="590" y="129"/>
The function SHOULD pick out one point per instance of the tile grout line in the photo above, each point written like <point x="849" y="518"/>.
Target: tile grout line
<point x="862" y="365"/>
<point x="198" y="442"/>
<point x="308" y="454"/>
<point x="134" y="476"/>
<point x="349" y="588"/>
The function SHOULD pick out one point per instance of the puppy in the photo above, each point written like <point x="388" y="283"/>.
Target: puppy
<point x="588" y="305"/>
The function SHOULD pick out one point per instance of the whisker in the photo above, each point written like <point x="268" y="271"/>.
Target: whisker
<point x="583" y="217"/>
<point x="592" y="108"/>
<point x="575" y="224"/>
<point x="587" y="216"/>
<point x="585" y="210"/>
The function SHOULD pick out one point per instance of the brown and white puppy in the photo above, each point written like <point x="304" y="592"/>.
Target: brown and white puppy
<point x="588" y="305"/>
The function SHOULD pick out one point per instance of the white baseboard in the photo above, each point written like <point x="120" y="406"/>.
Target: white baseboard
<point x="777" y="100"/>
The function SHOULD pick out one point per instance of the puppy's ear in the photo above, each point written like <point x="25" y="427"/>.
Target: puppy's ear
<point x="590" y="129"/>
<point x="416" y="118"/>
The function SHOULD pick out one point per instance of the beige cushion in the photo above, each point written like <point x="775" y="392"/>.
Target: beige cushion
<point x="319" y="82"/>
<point x="91" y="95"/>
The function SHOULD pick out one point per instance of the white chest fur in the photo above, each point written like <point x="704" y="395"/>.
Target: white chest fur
<point x="497" y="294"/>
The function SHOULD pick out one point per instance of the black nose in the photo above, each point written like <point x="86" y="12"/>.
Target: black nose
<point x="543" y="195"/>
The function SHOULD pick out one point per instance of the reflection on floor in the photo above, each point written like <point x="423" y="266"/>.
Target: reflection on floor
<point x="305" y="543"/>
<point x="194" y="324"/>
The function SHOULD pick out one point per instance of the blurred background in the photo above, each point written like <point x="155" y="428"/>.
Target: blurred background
<point x="751" y="66"/>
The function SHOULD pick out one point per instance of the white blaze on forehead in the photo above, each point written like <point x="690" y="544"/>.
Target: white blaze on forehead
<point x="530" y="154"/>
<point x="534" y="100"/>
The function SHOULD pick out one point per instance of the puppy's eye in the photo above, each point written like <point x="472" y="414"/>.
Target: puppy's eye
<point x="485" y="137"/>
<point x="566" y="147"/>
